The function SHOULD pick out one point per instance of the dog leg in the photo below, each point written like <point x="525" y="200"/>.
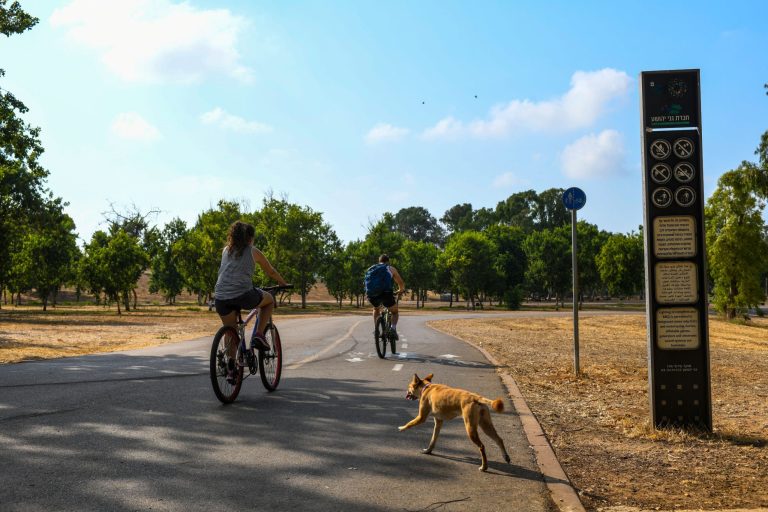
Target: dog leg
<point x="487" y="425"/>
<point x="420" y="418"/>
<point x="435" y="433"/>
<point x="470" y="423"/>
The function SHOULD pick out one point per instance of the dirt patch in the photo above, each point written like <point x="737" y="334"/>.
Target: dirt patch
<point x="599" y="424"/>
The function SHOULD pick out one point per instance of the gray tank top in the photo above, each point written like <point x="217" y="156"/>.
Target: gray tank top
<point x="235" y="274"/>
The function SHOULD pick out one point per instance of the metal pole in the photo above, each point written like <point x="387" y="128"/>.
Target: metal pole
<point x="575" y="295"/>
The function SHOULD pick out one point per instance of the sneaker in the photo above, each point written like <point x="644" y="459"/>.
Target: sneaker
<point x="259" y="342"/>
<point x="231" y="373"/>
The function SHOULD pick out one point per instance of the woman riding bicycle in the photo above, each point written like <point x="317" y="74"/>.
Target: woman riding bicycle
<point x="234" y="287"/>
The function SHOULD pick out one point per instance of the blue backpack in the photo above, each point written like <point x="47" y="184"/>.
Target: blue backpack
<point x="377" y="280"/>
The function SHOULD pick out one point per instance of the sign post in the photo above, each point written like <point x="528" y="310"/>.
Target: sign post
<point x="574" y="199"/>
<point x="675" y="265"/>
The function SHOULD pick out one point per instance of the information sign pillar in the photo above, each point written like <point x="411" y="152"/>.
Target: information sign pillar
<point x="675" y="256"/>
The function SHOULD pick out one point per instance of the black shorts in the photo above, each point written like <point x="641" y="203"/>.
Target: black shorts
<point x="248" y="300"/>
<point x="386" y="298"/>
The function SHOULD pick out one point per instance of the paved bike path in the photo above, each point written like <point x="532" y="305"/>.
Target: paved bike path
<point x="142" y="430"/>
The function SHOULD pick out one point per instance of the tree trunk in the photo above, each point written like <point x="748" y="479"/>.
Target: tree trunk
<point x="135" y="298"/>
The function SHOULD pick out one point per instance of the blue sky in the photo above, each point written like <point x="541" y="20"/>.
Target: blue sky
<point x="356" y="108"/>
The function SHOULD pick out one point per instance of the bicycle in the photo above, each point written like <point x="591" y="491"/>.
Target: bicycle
<point x="270" y="362"/>
<point x="383" y="332"/>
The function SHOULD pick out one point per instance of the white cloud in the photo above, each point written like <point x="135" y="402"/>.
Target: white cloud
<point x="506" y="180"/>
<point x="588" y="98"/>
<point x="594" y="156"/>
<point x="156" y="40"/>
<point x="218" y="117"/>
<point x="383" y="132"/>
<point x="446" y="128"/>
<point x="131" y="126"/>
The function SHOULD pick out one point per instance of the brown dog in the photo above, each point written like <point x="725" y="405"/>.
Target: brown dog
<point x="445" y="403"/>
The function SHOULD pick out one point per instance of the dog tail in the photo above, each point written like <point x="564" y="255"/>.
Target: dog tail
<point x="497" y="405"/>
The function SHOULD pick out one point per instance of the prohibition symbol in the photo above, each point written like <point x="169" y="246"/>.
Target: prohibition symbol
<point x="685" y="196"/>
<point x="683" y="148"/>
<point x="661" y="173"/>
<point x="660" y="149"/>
<point x="684" y="172"/>
<point x="662" y="197"/>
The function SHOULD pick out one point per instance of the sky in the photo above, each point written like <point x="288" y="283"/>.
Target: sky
<point x="354" y="108"/>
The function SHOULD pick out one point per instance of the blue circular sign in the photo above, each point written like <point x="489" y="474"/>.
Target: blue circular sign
<point x="574" y="198"/>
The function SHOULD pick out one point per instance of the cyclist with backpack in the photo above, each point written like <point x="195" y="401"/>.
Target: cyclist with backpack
<point x="379" y="290"/>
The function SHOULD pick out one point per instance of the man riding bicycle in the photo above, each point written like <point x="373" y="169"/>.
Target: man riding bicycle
<point x="379" y="289"/>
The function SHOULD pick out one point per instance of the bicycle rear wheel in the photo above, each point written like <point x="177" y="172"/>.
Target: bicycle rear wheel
<point x="226" y="389"/>
<point x="381" y="337"/>
<point x="271" y="361"/>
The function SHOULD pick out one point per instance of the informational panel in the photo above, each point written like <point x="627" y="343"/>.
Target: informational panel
<point x="675" y="271"/>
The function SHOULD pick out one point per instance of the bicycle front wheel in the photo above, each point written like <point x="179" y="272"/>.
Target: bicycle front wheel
<point x="226" y="374"/>
<point x="271" y="361"/>
<point x="381" y="337"/>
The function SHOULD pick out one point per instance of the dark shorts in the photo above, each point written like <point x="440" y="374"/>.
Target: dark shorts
<point x="248" y="300"/>
<point x="386" y="298"/>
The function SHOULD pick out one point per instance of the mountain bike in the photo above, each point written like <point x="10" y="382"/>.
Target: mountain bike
<point x="231" y="355"/>
<point x="383" y="332"/>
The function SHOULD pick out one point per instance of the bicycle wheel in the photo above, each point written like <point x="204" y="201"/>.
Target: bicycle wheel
<point x="381" y="337"/>
<point x="271" y="361"/>
<point x="226" y="389"/>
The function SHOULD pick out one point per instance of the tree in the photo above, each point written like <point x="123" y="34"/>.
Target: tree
<point x="519" y="210"/>
<point x="166" y="277"/>
<point x="458" y="218"/>
<point x="550" y="210"/>
<point x="334" y="273"/>
<point x="418" y="267"/>
<point x="510" y="262"/>
<point x="469" y="257"/>
<point x="549" y="261"/>
<point x="589" y="242"/>
<point x="737" y="250"/>
<point x="22" y="178"/>
<point x="417" y="224"/>
<point x="620" y="263"/>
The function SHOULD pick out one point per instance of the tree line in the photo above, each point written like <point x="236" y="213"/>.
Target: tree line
<point x="519" y="249"/>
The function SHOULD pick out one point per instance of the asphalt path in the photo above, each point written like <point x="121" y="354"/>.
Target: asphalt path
<point x="142" y="430"/>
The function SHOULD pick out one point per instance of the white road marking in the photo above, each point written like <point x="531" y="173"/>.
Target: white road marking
<point x="447" y="356"/>
<point x="354" y="360"/>
<point x="327" y="349"/>
<point x="397" y="368"/>
<point x="402" y="355"/>
<point x="405" y="345"/>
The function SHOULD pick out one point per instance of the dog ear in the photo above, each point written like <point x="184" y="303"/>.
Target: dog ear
<point x="429" y="377"/>
<point x="415" y="378"/>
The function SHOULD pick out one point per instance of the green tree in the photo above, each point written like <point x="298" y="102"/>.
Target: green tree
<point x="166" y="277"/>
<point x="469" y="256"/>
<point x="458" y="218"/>
<point x="519" y="210"/>
<point x="510" y="262"/>
<point x="417" y="224"/>
<point x="334" y="273"/>
<point x="620" y="263"/>
<point x="418" y="267"/>
<point x="737" y="250"/>
<point x="589" y="242"/>
<point x="22" y="178"/>
<point x="549" y="262"/>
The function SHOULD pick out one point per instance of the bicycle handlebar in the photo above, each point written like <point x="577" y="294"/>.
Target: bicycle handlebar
<point x="277" y="288"/>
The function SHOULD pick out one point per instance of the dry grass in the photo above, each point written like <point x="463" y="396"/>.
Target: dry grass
<point x="28" y="333"/>
<point x="599" y="424"/>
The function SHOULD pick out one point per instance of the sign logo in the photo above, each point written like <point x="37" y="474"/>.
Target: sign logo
<point x="684" y="172"/>
<point x="661" y="173"/>
<point x="685" y="196"/>
<point x="660" y="149"/>
<point x="683" y="148"/>
<point x="662" y="197"/>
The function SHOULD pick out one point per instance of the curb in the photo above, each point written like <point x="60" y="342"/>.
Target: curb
<point x="560" y="488"/>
